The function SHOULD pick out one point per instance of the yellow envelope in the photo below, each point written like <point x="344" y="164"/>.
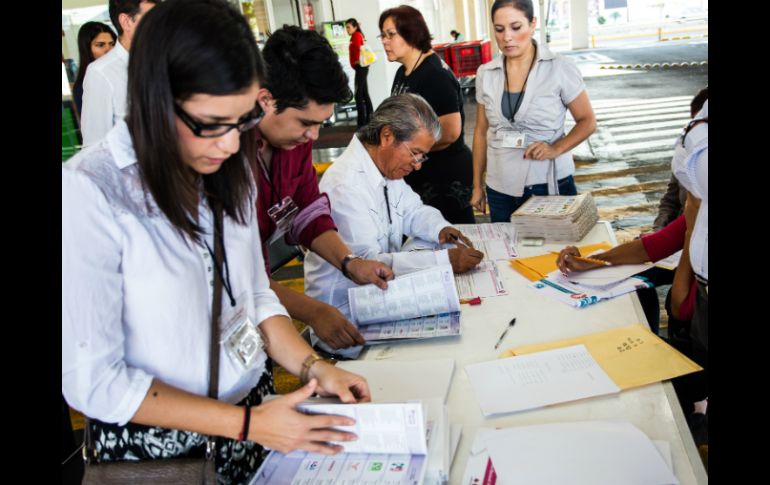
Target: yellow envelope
<point x="632" y="356"/>
<point x="536" y="268"/>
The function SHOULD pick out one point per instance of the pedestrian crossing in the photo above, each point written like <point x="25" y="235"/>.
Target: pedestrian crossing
<point x="632" y="146"/>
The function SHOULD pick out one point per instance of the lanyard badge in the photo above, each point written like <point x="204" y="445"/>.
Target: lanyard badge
<point x="282" y="214"/>
<point x="244" y="342"/>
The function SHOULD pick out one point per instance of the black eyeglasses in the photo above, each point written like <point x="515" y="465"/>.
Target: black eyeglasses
<point x="216" y="130"/>
<point x="387" y="35"/>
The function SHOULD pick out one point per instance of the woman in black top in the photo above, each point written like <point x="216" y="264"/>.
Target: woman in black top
<point x="446" y="181"/>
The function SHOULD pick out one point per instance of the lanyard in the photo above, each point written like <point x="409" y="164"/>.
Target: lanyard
<point x="387" y="203"/>
<point x="225" y="277"/>
<point x="523" y="87"/>
<point x="266" y="174"/>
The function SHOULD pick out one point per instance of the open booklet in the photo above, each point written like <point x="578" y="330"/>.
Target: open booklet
<point x="418" y="305"/>
<point x="395" y="445"/>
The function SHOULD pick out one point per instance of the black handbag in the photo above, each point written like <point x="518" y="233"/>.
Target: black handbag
<point x="167" y="471"/>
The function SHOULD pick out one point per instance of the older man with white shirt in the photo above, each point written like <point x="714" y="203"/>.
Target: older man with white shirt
<point x="374" y="208"/>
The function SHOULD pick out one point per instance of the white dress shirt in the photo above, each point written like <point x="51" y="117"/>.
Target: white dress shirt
<point x="554" y="82"/>
<point x="104" y="94"/>
<point x="355" y="188"/>
<point x="136" y="295"/>
<point x="690" y="166"/>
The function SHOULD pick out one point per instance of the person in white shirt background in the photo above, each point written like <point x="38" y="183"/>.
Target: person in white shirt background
<point x="104" y="85"/>
<point x="519" y="145"/>
<point x="140" y="213"/>
<point x="374" y="208"/>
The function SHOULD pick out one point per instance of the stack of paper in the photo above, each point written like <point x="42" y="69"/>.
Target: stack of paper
<point x="556" y="217"/>
<point x="590" y="453"/>
<point x="429" y="381"/>
<point x="582" y="289"/>
<point x="391" y="448"/>
<point x="632" y="356"/>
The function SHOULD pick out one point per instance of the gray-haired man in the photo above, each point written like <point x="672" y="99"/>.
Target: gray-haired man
<point x="374" y="208"/>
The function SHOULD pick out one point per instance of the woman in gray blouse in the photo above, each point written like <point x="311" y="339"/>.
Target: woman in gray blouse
<point x="523" y="97"/>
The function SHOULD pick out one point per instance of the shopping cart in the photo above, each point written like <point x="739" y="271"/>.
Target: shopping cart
<point x="466" y="57"/>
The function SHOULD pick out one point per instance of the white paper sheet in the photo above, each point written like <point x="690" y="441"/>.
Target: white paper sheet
<point x="538" y="379"/>
<point x="670" y="262"/>
<point x="581" y="453"/>
<point x="483" y="281"/>
<point x="404" y="381"/>
<point x="381" y="428"/>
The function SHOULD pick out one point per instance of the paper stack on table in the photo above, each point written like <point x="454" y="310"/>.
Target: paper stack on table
<point x="557" y="218"/>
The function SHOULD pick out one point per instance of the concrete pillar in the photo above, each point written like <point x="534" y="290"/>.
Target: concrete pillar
<point x="578" y="22"/>
<point x="541" y="22"/>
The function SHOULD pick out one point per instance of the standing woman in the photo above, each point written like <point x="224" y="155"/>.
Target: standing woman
<point x="141" y="211"/>
<point x="446" y="181"/>
<point x="94" y="40"/>
<point x="523" y="97"/>
<point x="363" y="102"/>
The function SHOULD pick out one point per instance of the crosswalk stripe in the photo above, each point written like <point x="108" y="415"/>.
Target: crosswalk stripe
<point x="641" y="112"/>
<point x="684" y="117"/>
<point x="684" y="105"/>
<point x="676" y="123"/>
<point x="607" y="103"/>
<point x="667" y="134"/>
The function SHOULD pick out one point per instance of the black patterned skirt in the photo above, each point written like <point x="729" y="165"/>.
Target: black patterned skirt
<point x="236" y="461"/>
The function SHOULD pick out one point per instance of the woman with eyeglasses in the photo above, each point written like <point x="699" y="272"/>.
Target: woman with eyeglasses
<point x="523" y="96"/>
<point x="153" y="218"/>
<point x="445" y="182"/>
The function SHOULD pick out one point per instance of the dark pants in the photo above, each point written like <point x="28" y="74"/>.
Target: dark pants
<point x="363" y="102"/>
<point x="501" y="206"/>
<point x="689" y="388"/>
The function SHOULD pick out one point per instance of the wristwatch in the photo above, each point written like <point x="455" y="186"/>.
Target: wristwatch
<point x="344" y="265"/>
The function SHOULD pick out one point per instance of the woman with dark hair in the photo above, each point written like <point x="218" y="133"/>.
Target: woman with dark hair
<point x="523" y="97"/>
<point x="94" y="40"/>
<point x="444" y="182"/>
<point x="363" y="102"/>
<point x="141" y="211"/>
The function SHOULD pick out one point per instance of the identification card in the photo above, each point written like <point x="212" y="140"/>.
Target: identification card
<point x="282" y="214"/>
<point x="243" y="340"/>
<point x="513" y="139"/>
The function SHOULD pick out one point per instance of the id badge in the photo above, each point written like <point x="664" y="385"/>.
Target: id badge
<point x="513" y="139"/>
<point x="243" y="340"/>
<point x="282" y="214"/>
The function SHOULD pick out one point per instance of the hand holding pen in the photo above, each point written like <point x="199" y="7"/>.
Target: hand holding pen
<point x="570" y="260"/>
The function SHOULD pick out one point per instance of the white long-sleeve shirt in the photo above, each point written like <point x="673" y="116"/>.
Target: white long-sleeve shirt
<point x="356" y="191"/>
<point x="136" y="296"/>
<point x="104" y="94"/>
<point x="690" y="166"/>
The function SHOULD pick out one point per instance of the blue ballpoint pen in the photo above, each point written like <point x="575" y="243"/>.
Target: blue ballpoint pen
<point x="500" y="340"/>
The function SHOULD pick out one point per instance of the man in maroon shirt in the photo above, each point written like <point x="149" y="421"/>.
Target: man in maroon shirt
<point x="305" y="79"/>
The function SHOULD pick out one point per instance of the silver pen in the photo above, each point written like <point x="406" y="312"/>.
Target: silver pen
<point x="505" y="332"/>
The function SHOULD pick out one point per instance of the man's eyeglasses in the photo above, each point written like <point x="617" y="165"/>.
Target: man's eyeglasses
<point x="216" y="130"/>
<point x="417" y="161"/>
<point x="387" y="35"/>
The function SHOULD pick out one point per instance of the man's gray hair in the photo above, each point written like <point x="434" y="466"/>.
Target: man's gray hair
<point x="405" y="114"/>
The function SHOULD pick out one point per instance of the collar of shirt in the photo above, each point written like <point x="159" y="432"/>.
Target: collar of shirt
<point x="543" y="54"/>
<point x="373" y="175"/>
<point x="120" y="51"/>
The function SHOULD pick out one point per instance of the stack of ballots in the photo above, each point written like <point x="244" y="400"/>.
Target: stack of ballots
<point x="556" y="218"/>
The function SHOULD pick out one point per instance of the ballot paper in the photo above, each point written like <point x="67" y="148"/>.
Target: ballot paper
<point x="419" y="294"/>
<point x="484" y="281"/>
